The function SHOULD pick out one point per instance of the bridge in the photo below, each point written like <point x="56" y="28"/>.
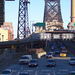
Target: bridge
<point x="36" y="38"/>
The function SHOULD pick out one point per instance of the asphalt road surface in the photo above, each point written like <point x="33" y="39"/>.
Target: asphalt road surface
<point x="62" y="67"/>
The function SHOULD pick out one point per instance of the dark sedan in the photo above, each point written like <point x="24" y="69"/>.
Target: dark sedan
<point x="51" y="62"/>
<point x="56" y="51"/>
<point x="33" y="62"/>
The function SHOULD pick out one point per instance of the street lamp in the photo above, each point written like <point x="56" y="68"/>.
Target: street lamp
<point x="31" y="35"/>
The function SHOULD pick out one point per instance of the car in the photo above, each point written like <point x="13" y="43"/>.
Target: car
<point x="6" y="72"/>
<point x="63" y="54"/>
<point x="72" y="73"/>
<point x="25" y="59"/>
<point x="64" y="50"/>
<point x="62" y="47"/>
<point x="33" y="62"/>
<point x="23" y="73"/>
<point x="49" y="55"/>
<point x="56" y="51"/>
<point x="72" y="61"/>
<point x="51" y="62"/>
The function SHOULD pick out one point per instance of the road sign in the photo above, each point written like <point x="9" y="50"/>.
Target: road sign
<point x="40" y="24"/>
<point x="12" y="47"/>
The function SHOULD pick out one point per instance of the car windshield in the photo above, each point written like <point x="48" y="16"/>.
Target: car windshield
<point x="6" y="72"/>
<point x="72" y="59"/>
<point x="49" y="53"/>
<point x="51" y="61"/>
<point x="33" y="61"/>
<point x="24" y="58"/>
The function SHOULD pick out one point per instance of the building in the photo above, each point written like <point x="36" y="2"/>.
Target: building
<point x="2" y="12"/>
<point x="71" y="25"/>
<point x="3" y="35"/>
<point x="8" y="26"/>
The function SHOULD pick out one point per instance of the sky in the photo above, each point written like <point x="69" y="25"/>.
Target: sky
<point x="35" y="12"/>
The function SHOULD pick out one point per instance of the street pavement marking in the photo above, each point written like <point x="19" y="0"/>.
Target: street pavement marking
<point x="29" y="70"/>
<point x="18" y="73"/>
<point x="21" y="67"/>
<point x="53" y="72"/>
<point x="36" y="73"/>
<point x="14" y="70"/>
<point x="63" y="69"/>
<point x="70" y="66"/>
<point x="46" y="70"/>
<point x="61" y="73"/>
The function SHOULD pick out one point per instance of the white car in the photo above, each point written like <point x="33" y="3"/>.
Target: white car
<point x="49" y="55"/>
<point x="6" y="72"/>
<point x="72" y="61"/>
<point x="25" y="59"/>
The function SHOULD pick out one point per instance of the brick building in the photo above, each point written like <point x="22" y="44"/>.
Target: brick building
<point x="8" y="26"/>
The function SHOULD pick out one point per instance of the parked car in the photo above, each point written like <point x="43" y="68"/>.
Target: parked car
<point x="23" y="73"/>
<point x="33" y="62"/>
<point x="63" y="54"/>
<point x="51" y="62"/>
<point x="49" y="55"/>
<point x="6" y="72"/>
<point x="72" y="61"/>
<point x="25" y="59"/>
<point x="72" y="73"/>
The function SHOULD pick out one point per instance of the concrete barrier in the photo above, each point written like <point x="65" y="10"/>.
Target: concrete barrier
<point x="41" y="54"/>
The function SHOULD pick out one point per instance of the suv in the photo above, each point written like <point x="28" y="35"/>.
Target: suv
<point x="25" y="59"/>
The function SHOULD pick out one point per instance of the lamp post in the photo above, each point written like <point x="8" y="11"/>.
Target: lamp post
<point x="31" y="35"/>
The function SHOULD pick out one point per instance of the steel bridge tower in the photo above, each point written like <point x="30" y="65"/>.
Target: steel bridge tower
<point x="53" y="12"/>
<point x="23" y="22"/>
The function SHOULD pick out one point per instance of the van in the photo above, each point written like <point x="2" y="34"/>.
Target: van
<point x="25" y="59"/>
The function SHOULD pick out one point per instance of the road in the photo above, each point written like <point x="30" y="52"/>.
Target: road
<point x="62" y="66"/>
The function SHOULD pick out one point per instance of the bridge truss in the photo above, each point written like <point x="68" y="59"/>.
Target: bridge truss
<point x="23" y="23"/>
<point x="52" y="11"/>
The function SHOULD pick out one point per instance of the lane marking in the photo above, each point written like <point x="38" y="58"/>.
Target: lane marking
<point x="18" y="73"/>
<point x="14" y="70"/>
<point x="70" y="66"/>
<point x="53" y="72"/>
<point x="21" y="67"/>
<point x="37" y="67"/>
<point x="36" y="73"/>
<point x="63" y="69"/>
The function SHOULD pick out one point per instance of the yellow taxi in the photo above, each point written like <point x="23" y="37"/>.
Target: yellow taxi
<point x="63" y="54"/>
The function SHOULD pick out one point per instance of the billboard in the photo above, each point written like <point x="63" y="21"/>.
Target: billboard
<point x="9" y="0"/>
